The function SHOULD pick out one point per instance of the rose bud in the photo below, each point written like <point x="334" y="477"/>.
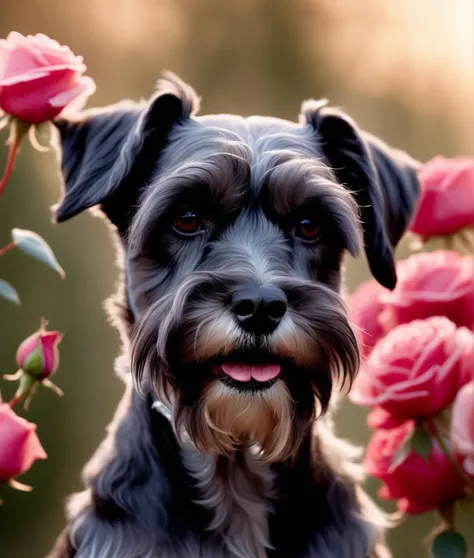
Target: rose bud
<point x="38" y="359"/>
<point x="447" y="196"/>
<point x="19" y="446"/>
<point x="462" y="427"/>
<point x="416" y="370"/>
<point x="38" y="355"/>
<point x="419" y="484"/>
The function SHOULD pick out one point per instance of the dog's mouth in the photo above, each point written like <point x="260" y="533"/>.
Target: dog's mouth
<point x="251" y="371"/>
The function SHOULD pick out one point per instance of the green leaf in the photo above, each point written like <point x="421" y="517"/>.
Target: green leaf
<point x="449" y="544"/>
<point x="402" y="453"/>
<point x="35" y="246"/>
<point x="421" y="442"/>
<point x="9" y="292"/>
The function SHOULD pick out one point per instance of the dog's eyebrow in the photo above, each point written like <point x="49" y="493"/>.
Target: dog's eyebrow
<point x="295" y="183"/>
<point x="221" y="180"/>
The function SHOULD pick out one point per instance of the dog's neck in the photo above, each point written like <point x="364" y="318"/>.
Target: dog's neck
<point x="237" y="491"/>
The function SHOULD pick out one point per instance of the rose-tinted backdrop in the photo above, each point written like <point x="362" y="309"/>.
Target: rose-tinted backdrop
<point x="404" y="70"/>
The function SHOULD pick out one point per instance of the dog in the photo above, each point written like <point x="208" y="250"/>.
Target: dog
<point x="231" y="233"/>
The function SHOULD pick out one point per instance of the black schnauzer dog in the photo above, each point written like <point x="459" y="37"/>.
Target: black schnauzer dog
<point x="231" y="233"/>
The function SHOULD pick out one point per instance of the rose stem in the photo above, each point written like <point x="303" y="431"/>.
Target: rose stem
<point x="12" y="153"/>
<point x="16" y="399"/>
<point x="448" y="515"/>
<point x="7" y="248"/>
<point x="442" y="444"/>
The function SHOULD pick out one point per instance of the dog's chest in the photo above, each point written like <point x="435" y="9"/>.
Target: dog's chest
<point x="238" y="493"/>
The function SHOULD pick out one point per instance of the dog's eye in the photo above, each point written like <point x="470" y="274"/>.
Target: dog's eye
<point x="308" y="229"/>
<point x="188" y="223"/>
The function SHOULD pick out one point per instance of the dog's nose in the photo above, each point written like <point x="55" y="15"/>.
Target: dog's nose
<point x="259" y="309"/>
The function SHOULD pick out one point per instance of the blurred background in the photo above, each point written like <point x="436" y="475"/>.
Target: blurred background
<point x="404" y="69"/>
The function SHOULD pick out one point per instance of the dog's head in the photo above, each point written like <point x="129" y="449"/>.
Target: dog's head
<point x="234" y="230"/>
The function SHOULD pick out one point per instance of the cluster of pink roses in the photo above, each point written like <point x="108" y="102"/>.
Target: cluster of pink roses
<point x="39" y="80"/>
<point x="417" y="375"/>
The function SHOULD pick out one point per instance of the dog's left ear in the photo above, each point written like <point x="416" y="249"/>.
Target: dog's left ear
<point x="108" y="154"/>
<point x="384" y="181"/>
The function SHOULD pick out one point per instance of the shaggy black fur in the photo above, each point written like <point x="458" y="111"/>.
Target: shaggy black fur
<point x="223" y="468"/>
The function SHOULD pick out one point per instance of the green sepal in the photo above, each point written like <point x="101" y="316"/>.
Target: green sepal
<point x="449" y="544"/>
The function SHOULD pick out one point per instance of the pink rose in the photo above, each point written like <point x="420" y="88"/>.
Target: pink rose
<point x="39" y="78"/>
<point x="37" y="358"/>
<point x="380" y="418"/>
<point x="462" y="426"/>
<point x="439" y="283"/>
<point x="417" y="483"/>
<point x="38" y="355"/>
<point x="364" y="309"/>
<point x="447" y="196"/>
<point x="19" y="444"/>
<point x="416" y="370"/>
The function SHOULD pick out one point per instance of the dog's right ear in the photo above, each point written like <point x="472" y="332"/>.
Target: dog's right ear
<point x="383" y="179"/>
<point x="107" y="154"/>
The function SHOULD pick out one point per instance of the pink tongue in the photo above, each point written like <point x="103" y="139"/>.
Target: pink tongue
<point x="244" y="372"/>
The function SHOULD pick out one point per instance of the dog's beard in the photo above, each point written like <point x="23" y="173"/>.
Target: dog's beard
<point x="225" y="419"/>
<point x="181" y="337"/>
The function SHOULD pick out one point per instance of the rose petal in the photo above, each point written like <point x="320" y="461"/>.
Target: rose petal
<point x="380" y="418"/>
<point x="19" y="62"/>
<point x="27" y="347"/>
<point x="469" y="465"/>
<point x="446" y="204"/>
<point x="19" y="444"/>
<point x="413" y="508"/>
<point x="462" y="426"/>
<point x="29" y="101"/>
<point x="384" y="493"/>
<point x="49" y="341"/>
<point x="421" y="483"/>
<point x="74" y="99"/>
<point x="39" y="78"/>
<point x="39" y="73"/>
<point x="24" y="78"/>
<point x="22" y="43"/>
<point x="417" y="368"/>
